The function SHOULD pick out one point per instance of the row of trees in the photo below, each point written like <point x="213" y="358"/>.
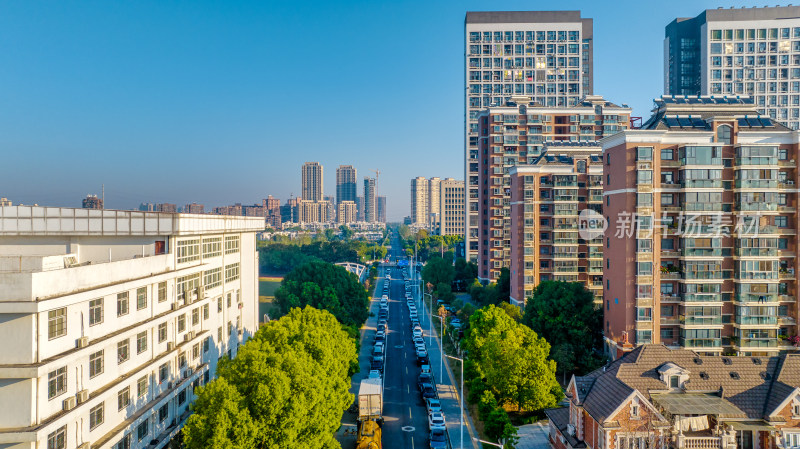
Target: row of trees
<point x="426" y="244"/>
<point x="286" y="388"/>
<point x="283" y="254"/>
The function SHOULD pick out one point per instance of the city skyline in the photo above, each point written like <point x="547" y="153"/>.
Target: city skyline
<point x="200" y="85"/>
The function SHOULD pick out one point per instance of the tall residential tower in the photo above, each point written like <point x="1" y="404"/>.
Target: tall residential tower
<point x="545" y="55"/>
<point x="312" y="181"/>
<point x="346" y="187"/>
<point x="743" y="51"/>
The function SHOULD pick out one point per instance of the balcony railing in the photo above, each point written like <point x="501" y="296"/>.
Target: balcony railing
<point x="700" y="443"/>
<point x="757" y="320"/>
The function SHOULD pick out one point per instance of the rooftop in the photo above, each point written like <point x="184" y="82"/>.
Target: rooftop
<point x="63" y="221"/>
<point x="696" y="113"/>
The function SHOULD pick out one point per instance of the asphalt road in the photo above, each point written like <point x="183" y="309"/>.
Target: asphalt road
<point x="406" y="420"/>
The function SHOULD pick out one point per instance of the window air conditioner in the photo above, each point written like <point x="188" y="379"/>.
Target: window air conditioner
<point x="83" y="396"/>
<point x="82" y="342"/>
<point x="170" y="345"/>
<point x="68" y="404"/>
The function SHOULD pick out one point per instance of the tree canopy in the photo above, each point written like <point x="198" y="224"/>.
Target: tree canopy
<point x="287" y="387"/>
<point x="510" y="360"/>
<point x="565" y="315"/>
<point x="324" y="286"/>
<point x="438" y="270"/>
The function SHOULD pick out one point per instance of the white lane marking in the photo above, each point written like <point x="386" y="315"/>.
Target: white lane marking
<point x="409" y="413"/>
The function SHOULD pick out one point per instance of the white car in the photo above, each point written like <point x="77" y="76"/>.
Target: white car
<point x="418" y="332"/>
<point x="374" y="374"/>
<point x="413" y="315"/>
<point x="384" y="298"/>
<point x="433" y="406"/>
<point x="436" y="421"/>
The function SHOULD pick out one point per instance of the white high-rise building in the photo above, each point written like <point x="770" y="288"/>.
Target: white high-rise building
<point x="751" y="52"/>
<point x="543" y="55"/>
<point x="419" y="202"/>
<point x="109" y="319"/>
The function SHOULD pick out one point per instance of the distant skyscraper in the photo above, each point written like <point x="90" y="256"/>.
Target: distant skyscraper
<point x="167" y="207"/>
<point x="545" y="55"/>
<point x="370" y="202"/>
<point x="312" y="181"/>
<point x="745" y="51"/>
<point x="346" y="187"/>
<point x="273" y="207"/>
<point x="194" y="208"/>
<point x="92" y="202"/>
<point x="419" y="201"/>
<point x="147" y="207"/>
<point x="360" y="208"/>
<point x="381" y="206"/>
<point x="451" y="207"/>
<point x="433" y="199"/>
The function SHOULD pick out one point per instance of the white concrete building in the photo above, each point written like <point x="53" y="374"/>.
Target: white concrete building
<point x="109" y="320"/>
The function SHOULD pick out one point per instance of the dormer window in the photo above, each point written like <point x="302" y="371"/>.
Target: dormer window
<point x="635" y="408"/>
<point x="674" y="382"/>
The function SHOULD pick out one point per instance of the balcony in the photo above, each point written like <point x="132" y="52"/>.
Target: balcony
<point x="701" y="252"/>
<point x="700" y="343"/>
<point x="756" y="184"/>
<point x="757" y="206"/>
<point x="701" y="183"/>
<point x="701" y="320"/>
<point x="757" y="252"/>
<point x="758" y="343"/>
<point x="757" y="320"/>
<point x="708" y="442"/>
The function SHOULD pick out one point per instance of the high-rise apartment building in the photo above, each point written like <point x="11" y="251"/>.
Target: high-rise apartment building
<point x="701" y="247"/>
<point x="360" y="208"/>
<point x="346" y="186"/>
<point x="346" y="212"/>
<point x="451" y="215"/>
<point x="516" y="134"/>
<point x="548" y="200"/>
<point x="311" y="188"/>
<point x="743" y="51"/>
<point x="273" y="207"/>
<point x="433" y="199"/>
<point x="194" y="208"/>
<point x="112" y="318"/>
<point x="170" y="208"/>
<point x="92" y="202"/>
<point x="381" y="207"/>
<point x="545" y="55"/>
<point x="370" y="200"/>
<point x="313" y="212"/>
<point x="419" y="201"/>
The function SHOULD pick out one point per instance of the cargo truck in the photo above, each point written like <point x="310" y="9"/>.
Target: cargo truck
<point x="370" y="418"/>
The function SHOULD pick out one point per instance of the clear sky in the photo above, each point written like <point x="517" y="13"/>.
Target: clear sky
<point x="222" y="102"/>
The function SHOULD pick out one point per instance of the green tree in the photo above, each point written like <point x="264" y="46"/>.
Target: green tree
<point x="444" y="292"/>
<point x="324" y="286"/>
<point x="220" y="419"/>
<point x="504" y="285"/>
<point x="465" y="274"/>
<point x="291" y="382"/>
<point x="347" y="233"/>
<point x="565" y="315"/>
<point x="512" y="311"/>
<point x="511" y="360"/>
<point x="438" y="271"/>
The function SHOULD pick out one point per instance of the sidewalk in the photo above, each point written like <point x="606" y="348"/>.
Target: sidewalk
<point x="448" y="386"/>
<point x="533" y="436"/>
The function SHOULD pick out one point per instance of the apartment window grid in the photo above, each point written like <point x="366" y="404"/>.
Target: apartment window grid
<point x="122" y="304"/>
<point x="57" y="382"/>
<point x="141" y="298"/>
<point x="760" y="62"/>
<point x="58" y="438"/>
<point x="56" y="323"/>
<point x="96" y="416"/>
<point x="95" y="311"/>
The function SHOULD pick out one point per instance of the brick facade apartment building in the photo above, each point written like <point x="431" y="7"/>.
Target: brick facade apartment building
<point x="701" y="246"/>
<point x="516" y="135"/>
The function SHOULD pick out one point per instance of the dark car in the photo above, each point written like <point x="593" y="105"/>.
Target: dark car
<point x="425" y="378"/>
<point x="438" y="439"/>
<point x="427" y="391"/>
<point x="377" y="363"/>
<point x="422" y="358"/>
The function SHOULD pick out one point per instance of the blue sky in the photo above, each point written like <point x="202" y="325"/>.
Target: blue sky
<point x="222" y="102"/>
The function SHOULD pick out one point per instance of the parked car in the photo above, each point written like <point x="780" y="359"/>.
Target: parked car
<point x="436" y="421"/>
<point x="424" y="378"/>
<point x="425" y="369"/>
<point x="427" y="391"/>
<point x="381" y="327"/>
<point x="417" y="332"/>
<point x="380" y="336"/>
<point x="374" y="374"/>
<point x="377" y="363"/>
<point x="433" y="405"/>
<point x="378" y="348"/>
<point x="438" y="439"/>
<point x="422" y="357"/>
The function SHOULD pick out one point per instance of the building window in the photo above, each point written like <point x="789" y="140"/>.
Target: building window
<point x="123" y="352"/>
<point x="195" y="316"/>
<point x="188" y="250"/>
<point x="123" y="398"/>
<point x="57" y="383"/>
<point x="96" y="416"/>
<point x="219" y="304"/>
<point x="206" y="312"/>
<point x="667" y="334"/>
<point x="212" y="278"/>
<point x="57" y="439"/>
<point x="162" y="332"/>
<point x="141" y="387"/>
<point x="673" y="382"/>
<point x="57" y="323"/>
<point x="182" y="397"/>
<point x="163" y="372"/>
<point x="724" y="134"/>
<point x="206" y="344"/>
<point x="666" y="154"/>
<point x="141" y="298"/>
<point x="644" y="153"/>
<point x="781" y="222"/>
<point x="124" y="443"/>
<point x="95" y="311"/>
<point x="96" y="364"/>
<point x="141" y="342"/>
<point x="142" y="430"/>
<point x="163" y="413"/>
<point x="122" y="303"/>
<point x="229" y="300"/>
<point x="232" y="272"/>
<point x="181" y="322"/>
<point x="231" y="244"/>
<point x="162" y="291"/>
<point x="212" y="247"/>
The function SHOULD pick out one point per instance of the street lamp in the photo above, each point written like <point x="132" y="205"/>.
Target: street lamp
<point x="460" y="398"/>
<point x="488" y="442"/>
<point x="441" y="348"/>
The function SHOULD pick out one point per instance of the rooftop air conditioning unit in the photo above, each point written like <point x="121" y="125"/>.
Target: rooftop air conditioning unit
<point x="83" y="396"/>
<point x="68" y="404"/>
<point x="82" y="342"/>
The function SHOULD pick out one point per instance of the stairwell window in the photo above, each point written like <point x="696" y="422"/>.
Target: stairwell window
<point x="724" y="134"/>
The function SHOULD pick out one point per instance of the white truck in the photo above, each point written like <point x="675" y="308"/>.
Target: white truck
<point x="370" y="414"/>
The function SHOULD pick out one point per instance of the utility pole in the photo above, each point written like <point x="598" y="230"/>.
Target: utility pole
<point x="103" y="195"/>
